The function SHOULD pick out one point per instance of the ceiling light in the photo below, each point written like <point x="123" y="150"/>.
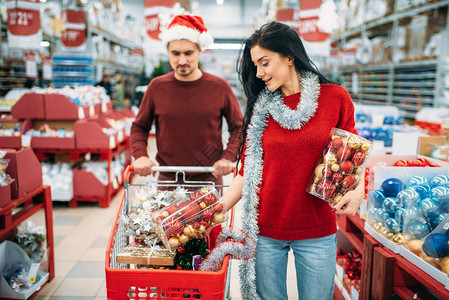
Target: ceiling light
<point x="220" y="2"/>
<point x="225" y="46"/>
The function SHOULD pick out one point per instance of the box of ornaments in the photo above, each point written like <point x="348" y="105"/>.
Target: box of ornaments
<point x="340" y="166"/>
<point x="407" y="206"/>
<point x="162" y="223"/>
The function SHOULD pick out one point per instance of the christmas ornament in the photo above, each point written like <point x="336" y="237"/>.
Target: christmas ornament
<point x="392" y="186"/>
<point x="327" y="172"/>
<point x="417" y="229"/>
<point x="335" y="168"/>
<point x="346" y="167"/>
<point x="376" y="198"/>
<point x="435" y="218"/>
<point x="389" y="205"/>
<point x="337" y="177"/>
<point x="348" y="181"/>
<point x="358" y="158"/>
<point x="423" y="190"/>
<point x="392" y="225"/>
<point x="420" y="162"/>
<point x="402" y="163"/>
<point x="330" y="158"/>
<point x="413" y="213"/>
<point x="436" y="245"/>
<point x="232" y="242"/>
<point x="415" y="246"/>
<point x="440" y="180"/>
<point x="428" y="206"/>
<point x="319" y="171"/>
<point x="417" y="180"/>
<point x="354" y="143"/>
<point x="400" y="215"/>
<point x="441" y="193"/>
<point x="375" y="214"/>
<point x="344" y="153"/>
<point x="398" y="239"/>
<point x="408" y="196"/>
<point x="336" y="143"/>
<point x="430" y="260"/>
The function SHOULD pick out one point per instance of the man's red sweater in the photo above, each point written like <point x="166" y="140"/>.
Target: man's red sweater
<point x="286" y="210"/>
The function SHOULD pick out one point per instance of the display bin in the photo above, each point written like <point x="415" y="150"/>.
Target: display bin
<point x="60" y="107"/>
<point x="125" y="283"/>
<point x="90" y="135"/>
<point x="40" y="142"/>
<point x="86" y="184"/>
<point x="22" y="163"/>
<point x="13" y="141"/>
<point x="29" y="106"/>
<point x="427" y="144"/>
<point x="5" y="195"/>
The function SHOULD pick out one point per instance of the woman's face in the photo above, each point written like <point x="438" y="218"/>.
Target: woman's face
<point x="275" y="70"/>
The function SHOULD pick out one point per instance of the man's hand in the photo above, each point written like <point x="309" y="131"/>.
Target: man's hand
<point x="222" y="167"/>
<point x="350" y="203"/>
<point x="143" y="166"/>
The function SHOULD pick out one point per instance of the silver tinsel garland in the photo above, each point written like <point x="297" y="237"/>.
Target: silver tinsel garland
<point x="266" y="104"/>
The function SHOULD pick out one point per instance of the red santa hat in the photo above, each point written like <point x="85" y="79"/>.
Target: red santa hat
<point x="189" y="28"/>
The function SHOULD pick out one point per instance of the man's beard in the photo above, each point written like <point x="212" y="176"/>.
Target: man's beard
<point x="184" y="72"/>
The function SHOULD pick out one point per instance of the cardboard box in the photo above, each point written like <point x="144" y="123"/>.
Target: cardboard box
<point x="86" y="184"/>
<point x="426" y="144"/>
<point x="29" y="106"/>
<point x="13" y="141"/>
<point x="59" y="107"/>
<point x="39" y="142"/>
<point x="10" y="254"/>
<point x="25" y="168"/>
<point x="90" y="135"/>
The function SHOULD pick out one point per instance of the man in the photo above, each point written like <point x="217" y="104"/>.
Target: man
<point x="187" y="106"/>
<point x="106" y="84"/>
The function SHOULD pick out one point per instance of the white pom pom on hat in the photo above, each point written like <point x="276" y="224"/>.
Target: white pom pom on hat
<point x="190" y="28"/>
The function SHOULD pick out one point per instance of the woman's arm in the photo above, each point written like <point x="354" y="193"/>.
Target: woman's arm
<point x="233" y="193"/>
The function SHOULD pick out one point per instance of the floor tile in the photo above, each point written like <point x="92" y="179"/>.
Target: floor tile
<point x="67" y="220"/>
<point x="102" y="290"/>
<point x="62" y="268"/>
<point x="101" y="241"/>
<point x="50" y="287"/>
<point x="79" y="287"/>
<point x="57" y="239"/>
<point x="94" y="254"/>
<point x="63" y="229"/>
<point x="88" y="269"/>
<point x="68" y="253"/>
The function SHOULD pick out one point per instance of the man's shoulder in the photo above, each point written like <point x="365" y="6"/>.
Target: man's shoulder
<point x="162" y="79"/>
<point x="214" y="78"/>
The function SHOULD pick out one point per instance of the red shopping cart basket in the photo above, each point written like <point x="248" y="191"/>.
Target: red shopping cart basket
<point x="125" y="282"/>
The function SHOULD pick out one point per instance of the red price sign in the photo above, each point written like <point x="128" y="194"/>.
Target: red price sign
<point x="23" y="17"/>
<point x="74" y="33"/>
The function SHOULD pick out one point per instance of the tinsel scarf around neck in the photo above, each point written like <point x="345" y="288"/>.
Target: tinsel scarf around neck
<point x="268" y="103"/>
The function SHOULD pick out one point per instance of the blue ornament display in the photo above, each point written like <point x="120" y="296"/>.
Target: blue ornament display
<point x="436" y="218"/>
<point x="413" y="213"/>
<point x="400" y="215"/>
<point x="436" y="245"/>
<point x="393" y="225"/>
<point x="429" y="206"/>
<point x="440" y="180"/>
<point x="376" y="198"/>
<point x="408" y="197"/>
<point x="385" y="216"/>
<point x="389" y="205"/>
<point x="417" y="180"/>
<point x="417" y="229"/>
<point x="440" y="192"/>
<point x="375" y="214"/>
<point x="423" y="190"/>
<point x="392" y="186"/>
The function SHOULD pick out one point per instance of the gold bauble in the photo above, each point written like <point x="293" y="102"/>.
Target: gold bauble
<point x="319" y="171"/>
<point x="445" y="269"/>
<point x="389" y="235"/>
<point x="415" y="246"/>
<point x="204" y="190"/>
<point x="218" y="218"/>
<point x="165" y="214"/>
<point x="174" y="242"/>
<point x="202" y="229"/>
<point x="431" y="260"/>
<point x="445" y="260"/>
<point x="365" y="147"/>
<point x="335" y="168"/>
<point x="337" y="198"/>
<point x="354" y="143"/>
<point x="383" y="230"/>
<point x="187" y="230"/>
<point x="183" y="238"/>
<point x="143" y="198"/>
<point x="330" y="158"/>
<point x="377" y="226"/>
<point x="398" y="239"/>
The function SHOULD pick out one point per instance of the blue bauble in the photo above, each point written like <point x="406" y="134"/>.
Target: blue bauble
<point x="385" y="216"/>
<point x="429" y="206"/>
<point x="440" y="180"/>
<point x="389" y="205"/>
<point x="408" y="197"/>
<point x="436" y="245"/>
<point x="436" y="218"/>
<point x="400" y="215"/>
<point x="392" y="186"/>
<point x="393" y="225"/>
<point x="417" y="180"/>
<point x="423" y="190"/>
<point x="417" y="229"/>
<point x="376" y="198"/>
<point x="413" y="213"/>
<point x="375" y="214"/>
<point x="440" y="192"/>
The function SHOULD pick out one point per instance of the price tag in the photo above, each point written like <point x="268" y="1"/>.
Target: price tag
<point x="104" y="107"/>
<point x="26" y="141"/>
<point x="120" y="136"/>
<point x="112" y="142"/>
<point x="115" y="183"/>
<point x="47" y="73"/>
<point x="340" y="273"/>
<point x="91" y="110"/>
<point x="33" y="272"/>
<point x="354" y="294"/>
<point x="30" y="64"/>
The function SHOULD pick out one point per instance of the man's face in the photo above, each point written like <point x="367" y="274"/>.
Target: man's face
<point x="183" y="57"/>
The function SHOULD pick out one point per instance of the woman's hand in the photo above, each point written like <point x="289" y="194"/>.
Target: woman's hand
<point x="350" y="203"/>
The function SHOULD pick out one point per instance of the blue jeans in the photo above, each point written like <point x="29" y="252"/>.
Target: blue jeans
<point x="314" y="262"/>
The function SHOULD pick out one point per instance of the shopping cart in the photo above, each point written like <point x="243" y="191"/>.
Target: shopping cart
<point x="125" y="282"/>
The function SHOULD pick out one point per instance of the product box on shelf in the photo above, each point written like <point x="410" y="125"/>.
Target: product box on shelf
<point x="434" y="146"/>
<point x="16" y="128"/>
<point x="29" y="106"/>
<point x="86" y="184"/>
<point x="12" y="254"/>
<point x="5" y="195"/>
<point x="90" y="134"/>
<point x="22" y="163"/>
<point x="53" y="142"/>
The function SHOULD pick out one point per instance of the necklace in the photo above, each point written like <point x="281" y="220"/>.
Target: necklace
<point x="268" y="103"/>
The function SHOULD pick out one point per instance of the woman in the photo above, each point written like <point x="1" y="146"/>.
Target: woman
<point x="290" y="111"/>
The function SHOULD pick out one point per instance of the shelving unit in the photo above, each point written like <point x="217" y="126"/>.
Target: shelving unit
<point x="19" y="210"/>
<point x="412" y="83"/>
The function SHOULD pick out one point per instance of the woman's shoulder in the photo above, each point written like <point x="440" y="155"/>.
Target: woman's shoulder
<point x="333" y="90"/>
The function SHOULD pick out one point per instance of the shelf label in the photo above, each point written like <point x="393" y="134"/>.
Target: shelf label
<point x="47" y="73"/>
<point x="30" y="64"/>
<point x="24" y="24"/>
<point x="33" y="272"/>
<point x="74" y="29"/>
<point x="26" y="141"/>
<point x="81" y="113"/>
<point x="104" y="107"/>
<point x="112" y="142"/>
<point x="91" y="110"/>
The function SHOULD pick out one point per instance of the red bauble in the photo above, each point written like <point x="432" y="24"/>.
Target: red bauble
<point x="190" y="211"/>
<point x="210" y="199"/>
<point x="337" y="177"/>
<point x="359" y="158"/>
<point x="348" y="181"/>
<point x="208" y="214"/>
<point x="327" y="172"/>
<point x="218" y="207"/>
<point x="195" y="195"/>
<point x="336" y="143"/>
<point x="171" y="209"/>
<point x="325" y="188"/>
<point x="173" y="226"/>
<point x="344" y="153"/>
<point x="420" y="162"/>
<point x="346" y="167"/>
<point x="402" y="163"/>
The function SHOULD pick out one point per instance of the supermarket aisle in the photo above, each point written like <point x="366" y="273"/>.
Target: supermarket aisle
<point x="81" y="236"/>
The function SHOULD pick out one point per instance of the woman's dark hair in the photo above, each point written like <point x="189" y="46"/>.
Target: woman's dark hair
<point x="279" y="38"/>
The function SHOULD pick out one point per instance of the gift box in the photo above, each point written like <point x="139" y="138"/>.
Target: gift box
<point x="340" y="166"/>
<point x="193" y="215"/>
